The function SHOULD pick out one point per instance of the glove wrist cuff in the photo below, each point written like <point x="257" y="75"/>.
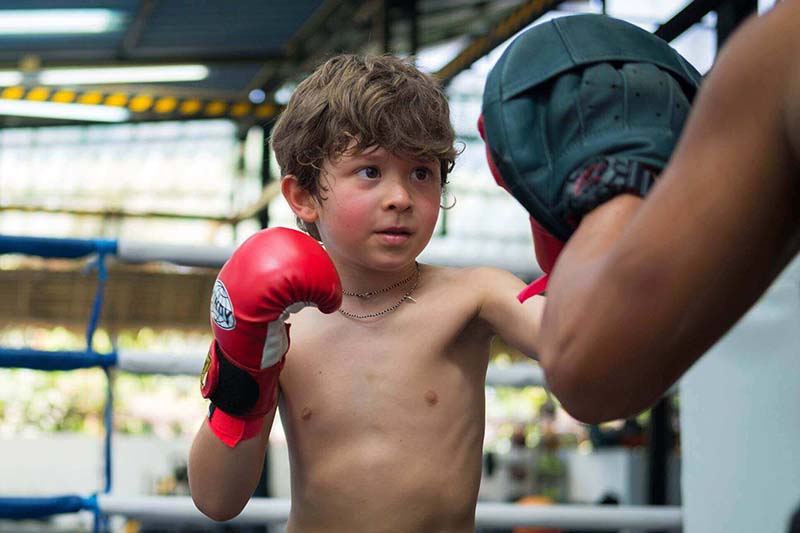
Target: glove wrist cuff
<point x="538" y="286"/>
<point x="230" y="429"/>
<point x="240" y="397"/>
<point x="600" y="181"/>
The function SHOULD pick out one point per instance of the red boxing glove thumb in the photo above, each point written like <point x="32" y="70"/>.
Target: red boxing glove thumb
<point x="547" y="249"/>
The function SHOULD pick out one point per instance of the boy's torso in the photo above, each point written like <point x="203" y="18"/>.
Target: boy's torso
<point x="385" y="419"/>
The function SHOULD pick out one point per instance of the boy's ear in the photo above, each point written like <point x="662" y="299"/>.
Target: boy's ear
<point x="300" y="200"/>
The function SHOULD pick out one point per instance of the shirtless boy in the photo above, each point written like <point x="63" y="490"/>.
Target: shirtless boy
<point x="382" y="389"/>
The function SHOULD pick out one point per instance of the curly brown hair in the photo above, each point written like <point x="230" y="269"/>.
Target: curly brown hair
<point x="351" y="103"/>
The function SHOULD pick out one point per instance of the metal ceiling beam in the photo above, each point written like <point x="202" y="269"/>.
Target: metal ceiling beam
<point x="135" y="29"/>
<point x="686" y="18"/>
<point x="269" y="73"/>
<point x="357" y="17"/>
<point x="145" y="106"/>
<point x="401" y="34"/>
<point x="502" y="30"/>
<point x="429" y="9"/>
<point x="114" y="213"/>
<point x="270" y="191"/>
<point x="469" y="21"/>
<point x="321" y="36"/>
<point x="155" y="57"/>
<point x="730" y="15"/>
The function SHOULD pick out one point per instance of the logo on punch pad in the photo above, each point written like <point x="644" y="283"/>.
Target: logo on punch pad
<point x="222" y="307"/>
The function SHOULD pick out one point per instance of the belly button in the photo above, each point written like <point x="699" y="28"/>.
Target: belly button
<point x="431" y="397"/>
<point x="306" y="413"/>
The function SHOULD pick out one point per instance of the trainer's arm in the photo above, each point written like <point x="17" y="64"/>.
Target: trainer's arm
<point x="222" y="479"/>
<point x="644" y="288"/>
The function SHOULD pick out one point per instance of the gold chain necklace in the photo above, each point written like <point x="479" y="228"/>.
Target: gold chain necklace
<point x="406" y="296"/>
<point x="370" y="294"/>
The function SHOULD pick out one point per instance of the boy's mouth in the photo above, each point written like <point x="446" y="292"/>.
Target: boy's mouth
<point x="395" y="236"/>
<point x="395" y="231"/>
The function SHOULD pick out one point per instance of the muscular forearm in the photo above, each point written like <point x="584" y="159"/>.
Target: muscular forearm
<point x="628" y="312"/>
<point x="582" y="366"/>
<point x="627" y="316"/>
<point x="222" y="479"/>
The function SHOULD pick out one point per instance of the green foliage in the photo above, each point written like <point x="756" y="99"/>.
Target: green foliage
<point x="34" y="402"/>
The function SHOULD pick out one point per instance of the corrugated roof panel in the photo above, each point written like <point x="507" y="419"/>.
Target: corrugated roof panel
<point x="99" y="45"/>
<point x="211" y="25"/>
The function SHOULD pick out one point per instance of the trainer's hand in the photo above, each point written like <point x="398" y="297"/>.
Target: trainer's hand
<point x="597" y="115"/>
<point x="274" y="273"/>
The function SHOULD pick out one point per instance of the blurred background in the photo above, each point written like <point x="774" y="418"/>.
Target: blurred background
<point x="147" y="121"/>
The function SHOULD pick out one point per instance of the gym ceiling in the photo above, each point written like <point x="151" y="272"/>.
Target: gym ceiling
<point x="248" y="50"/>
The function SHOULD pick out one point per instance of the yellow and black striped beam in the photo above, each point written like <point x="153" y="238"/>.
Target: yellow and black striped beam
<point x="149" y="107"/>
<point x="504" y="29"/>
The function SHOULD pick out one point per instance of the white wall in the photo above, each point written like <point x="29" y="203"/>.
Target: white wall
<point x="73" y="464"/>
<point x="740" y="421"/>
<point x="61" y="464"/>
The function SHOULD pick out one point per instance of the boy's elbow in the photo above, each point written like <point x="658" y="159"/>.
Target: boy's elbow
<point x="216" y="508"/>
<point x="218" y="505"/>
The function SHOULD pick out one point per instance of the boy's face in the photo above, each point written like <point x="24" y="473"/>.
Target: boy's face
<point x="380" y="209"/>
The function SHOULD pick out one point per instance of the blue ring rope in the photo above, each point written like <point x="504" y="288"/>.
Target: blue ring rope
<point x="53" y="247"/>
<point x="22" y="508"/>
<point x="65" y="360"/>
<point x="55" y="360"/>
<point x="97" y="306"/>
<point x="108" y="420"/>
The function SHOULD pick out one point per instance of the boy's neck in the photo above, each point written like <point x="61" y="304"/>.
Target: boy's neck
<point x="370" y="293"/>
<point x="372" y="284"/>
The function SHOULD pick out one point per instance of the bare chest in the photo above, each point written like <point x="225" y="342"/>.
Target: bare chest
<point x="398" y="399"/>
<point x="422" y="360"/>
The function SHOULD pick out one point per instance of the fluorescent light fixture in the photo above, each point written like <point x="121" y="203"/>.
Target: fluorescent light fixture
<point x="10" y="77"/>
<point x="284" y="93"/>
<point x="89" y="76"/>
<point x="92" y="113"/>
<point x="58" y="21"/>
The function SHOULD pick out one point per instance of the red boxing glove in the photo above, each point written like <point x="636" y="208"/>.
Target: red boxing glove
<point x="498" y="178"/>
<point x="274" y="273"/>
<point x="547" y="249"/>
<point x="546" y="245"/>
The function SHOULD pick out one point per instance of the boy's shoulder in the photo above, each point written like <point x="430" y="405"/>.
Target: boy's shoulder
<point x="475" y="271"/>
<point x="472" y="279"/>
<point x="456" y="273"/>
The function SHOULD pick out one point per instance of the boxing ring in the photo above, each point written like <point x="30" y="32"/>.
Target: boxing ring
<point x="176" y="509"/>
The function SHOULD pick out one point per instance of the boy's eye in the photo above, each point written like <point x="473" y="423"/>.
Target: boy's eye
<point x="422" y="174"/>
<point x="368" y="172"/>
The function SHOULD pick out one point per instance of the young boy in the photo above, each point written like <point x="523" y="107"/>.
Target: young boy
<point x="381" y="393"/>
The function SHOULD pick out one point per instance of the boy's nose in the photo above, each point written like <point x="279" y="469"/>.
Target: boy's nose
<point x="397" y="197"/>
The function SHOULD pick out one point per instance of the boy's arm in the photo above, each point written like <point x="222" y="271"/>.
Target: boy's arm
<point x="516" y="323"/>
<point x="644" y="288"/>
<point x="222" y="479"/>
<point x="274" y="273"/>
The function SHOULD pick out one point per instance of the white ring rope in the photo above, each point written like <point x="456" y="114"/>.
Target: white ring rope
<point x="270" y="510"/>
<point x="167" y="364"/>
<point x="586" y="517"/>
<point x="185" y="255"/>
<point x="516" y="375"/>
<point x="515" y="256"/>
